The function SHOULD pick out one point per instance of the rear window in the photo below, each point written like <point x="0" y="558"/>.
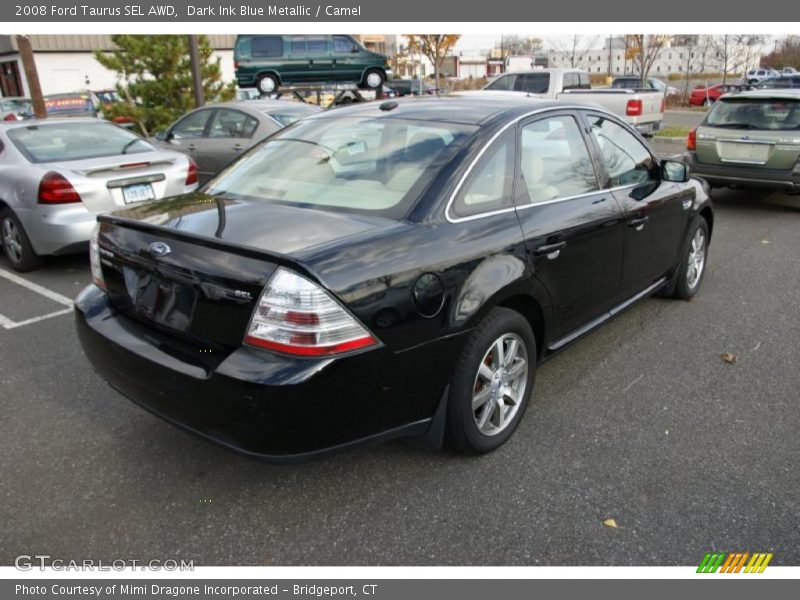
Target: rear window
<point x="286" y="115"/>
<point x="75" y="141"/>
<point x="749" y="113"/>
<point x="367" y="165"/>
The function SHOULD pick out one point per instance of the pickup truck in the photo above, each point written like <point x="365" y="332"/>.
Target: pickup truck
<point x="644" y="110"/>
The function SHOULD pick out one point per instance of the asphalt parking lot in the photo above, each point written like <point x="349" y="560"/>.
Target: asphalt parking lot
<point x="641" y="422"/>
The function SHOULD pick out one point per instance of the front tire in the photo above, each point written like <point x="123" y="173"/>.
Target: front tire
<point x="16" y="245"/>
<point x="373" y="79"/>
<point x="692" y="265"/>
<point x="492" y="383"/>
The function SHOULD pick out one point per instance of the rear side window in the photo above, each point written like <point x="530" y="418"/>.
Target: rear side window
<point x="554" y="160"/>
<point x="317" y="44"/>
<point x="570" y="81"/>
<point x="266" y="46"/>
<point x="503" y="84"/>
<point x="298" y="44"/>
<point x="229" y="123"/>
<point x="627" y="160"/>
<point x="533" y="83"/>
<point x="488" y="187"/>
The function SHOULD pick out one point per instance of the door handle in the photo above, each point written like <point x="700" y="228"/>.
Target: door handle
<point x="551" y="250"/>
<point x="638" y="224"/>
<point x="238" y="147"/>
<point x="191" y="147"/>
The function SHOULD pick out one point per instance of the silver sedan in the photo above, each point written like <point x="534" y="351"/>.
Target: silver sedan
<point x="215" y="135"/>
<point x="56" y="175"/>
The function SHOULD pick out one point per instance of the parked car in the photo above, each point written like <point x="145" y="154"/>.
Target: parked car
<point x="751" y="139"/>
<point x="386" y="270"/>
<point x="216" y="134"/>
<point x="635" y="83"/>
<point x="107" y="99"/>
<point x="782" y="82"/>
<point x="788" y="71"/>
<point x="412" y="87"/>
<point x="267" y="62"/>
<point x="15" y="109"/>
<point x="705" y="96"/>
<point x="57" y="175"/>
<point x="758" y="74"/>
<point x="642" y="109"/>
<point x="73" y="104"/>
<point x="248" y="94"/>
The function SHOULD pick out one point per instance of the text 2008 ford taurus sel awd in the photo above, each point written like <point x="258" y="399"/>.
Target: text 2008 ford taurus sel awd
<point x="387" y="270"/>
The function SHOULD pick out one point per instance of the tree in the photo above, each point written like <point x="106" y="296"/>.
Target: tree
<point x="697" y="52"/>
<point x="434" y="47"/>
<point x="572" y="50"/>
<point x="735" y="52"/>
<point x="517" y="45"/>
<point x="155" y="79"/>
<point x="643" y="51"/>
<point x="785" y="54"/>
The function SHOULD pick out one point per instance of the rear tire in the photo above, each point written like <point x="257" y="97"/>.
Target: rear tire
<point x="492" y="383"/>
<point x="267" y="84"/>
<point x="692" y="265"/>
<point x="16" y="245"/>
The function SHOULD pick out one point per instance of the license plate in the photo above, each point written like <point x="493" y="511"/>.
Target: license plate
<point x="747" y="153"/>
<point x="139" y="192"/>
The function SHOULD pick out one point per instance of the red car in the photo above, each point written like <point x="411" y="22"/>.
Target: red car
<point x="702" y="96"/>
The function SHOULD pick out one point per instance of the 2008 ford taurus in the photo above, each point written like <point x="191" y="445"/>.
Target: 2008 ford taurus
<point x="387" y="270"/>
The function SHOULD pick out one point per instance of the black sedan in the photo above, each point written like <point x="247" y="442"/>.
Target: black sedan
<point x="387" y="270"/>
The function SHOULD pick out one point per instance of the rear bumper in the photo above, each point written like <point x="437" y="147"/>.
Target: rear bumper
<point x="754" y="177"/>
<point x="261" y="404"/>
<point x="58" y="229"/>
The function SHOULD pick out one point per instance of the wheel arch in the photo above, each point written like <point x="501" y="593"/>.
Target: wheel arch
<point x="708" y="215"/>
<point x="271" y="72"/>
<point x="531" y="309"/>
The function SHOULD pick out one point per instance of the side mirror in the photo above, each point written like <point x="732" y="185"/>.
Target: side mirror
<point x="161" y="136"/>
<point x="354" y="49"/>
<point x="675" y="170"/>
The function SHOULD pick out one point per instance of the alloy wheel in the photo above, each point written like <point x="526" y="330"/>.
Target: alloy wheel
<point x="12" y="240"/>
<point x="697" y="259"/>
<point x="500" y="384"/>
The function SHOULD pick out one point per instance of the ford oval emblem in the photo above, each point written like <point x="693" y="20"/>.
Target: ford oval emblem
<point x="160" y="249"/>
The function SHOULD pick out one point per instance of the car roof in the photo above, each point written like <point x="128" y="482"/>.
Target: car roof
<point x="549" y="70"/>
<point x="51" y="121"/>
<point x="475" y="108"/>
<point x="776" y="94"/>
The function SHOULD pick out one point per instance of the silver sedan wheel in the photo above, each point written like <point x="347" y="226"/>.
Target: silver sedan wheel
<point x="500" y="384"/>
<point x="374" y="80"/>
<point x="697" y="259"/>
<point x="12" y="240"/>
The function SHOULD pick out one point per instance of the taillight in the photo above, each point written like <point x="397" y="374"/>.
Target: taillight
<point x="10" y="117"/>
<point x="634" y="108"/>
<point x="94" y="259"/>
<point x="663" y="104"/>
<point x="54" y="188"/>
<point x="191" y="174"/>
<point x="235" y="65"/>
<point x="296" y="316"/>
<point x="691" y="141"/>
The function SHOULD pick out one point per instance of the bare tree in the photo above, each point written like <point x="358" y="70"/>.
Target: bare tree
<point x="434" y="47"/>
<point x="643" y="50"/>
<point x="572" y="50"/>
<point x="697" y="51"/>
<point x="786" y="53"/>
<point x="735" y="52"/>
<point x="518" y="45"/>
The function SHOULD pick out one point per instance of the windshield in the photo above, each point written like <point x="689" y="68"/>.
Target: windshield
<point x="286" y="115"/>
<point x="376" y="166"/>
<point x="75" y="141"/>
<point x="751" y="113"/>
<point x="59" y="105"/>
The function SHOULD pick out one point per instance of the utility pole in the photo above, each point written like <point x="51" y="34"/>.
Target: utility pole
<point x="610" y="44"/>
<point x="197" y="80"/>
<point x="31" y="76"/>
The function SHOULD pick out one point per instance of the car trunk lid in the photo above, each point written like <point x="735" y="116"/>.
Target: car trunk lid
<point x="757" y="149"/>
<point x="194" y="266"/>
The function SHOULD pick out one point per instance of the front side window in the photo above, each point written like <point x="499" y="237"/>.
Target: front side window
<point x="488" y="187"/>
<point x="78" y="140"/>
<point x="503" y="84"/>
<point x="377" y="166"/>
<point x="627" y="160"/>
<point x="343" y="44"/>
<point x="554" y="160"/>
<point x="229" y="123"/>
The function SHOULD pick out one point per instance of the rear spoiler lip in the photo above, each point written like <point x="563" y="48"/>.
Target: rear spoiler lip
<point x="241" y="249"/>
<point x="122" y="167"/>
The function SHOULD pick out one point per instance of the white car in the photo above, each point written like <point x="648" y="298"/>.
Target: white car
<point x="756" y="75"/>
<point x="57" y="175"/>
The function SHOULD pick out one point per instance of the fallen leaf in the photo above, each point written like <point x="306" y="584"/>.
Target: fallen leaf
<point x="610" y="523"/>
<point x="728" y="357"/>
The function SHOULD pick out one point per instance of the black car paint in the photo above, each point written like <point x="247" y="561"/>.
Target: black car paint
<point x="283" y="408"/>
